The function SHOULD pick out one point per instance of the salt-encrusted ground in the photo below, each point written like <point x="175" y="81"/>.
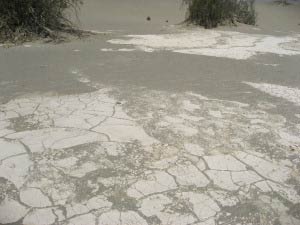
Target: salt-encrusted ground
<point x="150" y="158"/>
<point x="223" y="44"/>
<point x="152" y="124"/>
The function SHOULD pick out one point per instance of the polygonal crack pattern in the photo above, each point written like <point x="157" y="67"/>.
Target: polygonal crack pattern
<point x="145" y="157"/>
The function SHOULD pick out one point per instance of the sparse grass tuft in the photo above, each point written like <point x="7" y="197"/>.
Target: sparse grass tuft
<point x="22" y="20"/>
<point x="211" y="13"/>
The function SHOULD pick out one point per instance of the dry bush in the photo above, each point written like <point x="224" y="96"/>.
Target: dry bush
<point x="211" y="13"/>
<point x="22" y="20"/>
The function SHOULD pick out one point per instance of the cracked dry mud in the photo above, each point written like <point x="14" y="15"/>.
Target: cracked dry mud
<point x="135" y="157"/>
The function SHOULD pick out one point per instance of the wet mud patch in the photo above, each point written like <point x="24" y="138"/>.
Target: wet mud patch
<point x="248" y="213"/>
<point x="7" y="189"/>
<point x="262" y="145"/>
<point x="24" y="123"/>
<point x="121" y="201"/>
<point x="295" y="211"/>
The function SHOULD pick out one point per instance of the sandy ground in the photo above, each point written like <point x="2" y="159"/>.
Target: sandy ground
<point x="153" y="122"/>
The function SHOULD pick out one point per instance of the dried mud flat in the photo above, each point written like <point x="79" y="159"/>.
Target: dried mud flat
<point x="132" y="155"/>
<point x="159" y="158"/>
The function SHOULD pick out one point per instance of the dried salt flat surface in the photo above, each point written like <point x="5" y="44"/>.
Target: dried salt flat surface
<point x="234" y="45"/>
<point x="287" y="93"/>
<point x="118" y="50"/>
<point x="147" y="158"/>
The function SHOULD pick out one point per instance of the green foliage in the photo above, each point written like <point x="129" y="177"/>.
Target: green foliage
<point x="211" y="13"/>
<point x="22" y="19"/>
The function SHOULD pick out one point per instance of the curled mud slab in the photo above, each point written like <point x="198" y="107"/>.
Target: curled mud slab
<point x="133" y="157"/>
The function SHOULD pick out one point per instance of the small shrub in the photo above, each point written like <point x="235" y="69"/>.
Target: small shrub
<point x="211" y="13"/>
<point x="24" y="19"/>
<point x="246" y="12"/>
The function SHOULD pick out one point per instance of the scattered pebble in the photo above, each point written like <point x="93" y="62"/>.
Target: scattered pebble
<point x="294" y="148"/>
